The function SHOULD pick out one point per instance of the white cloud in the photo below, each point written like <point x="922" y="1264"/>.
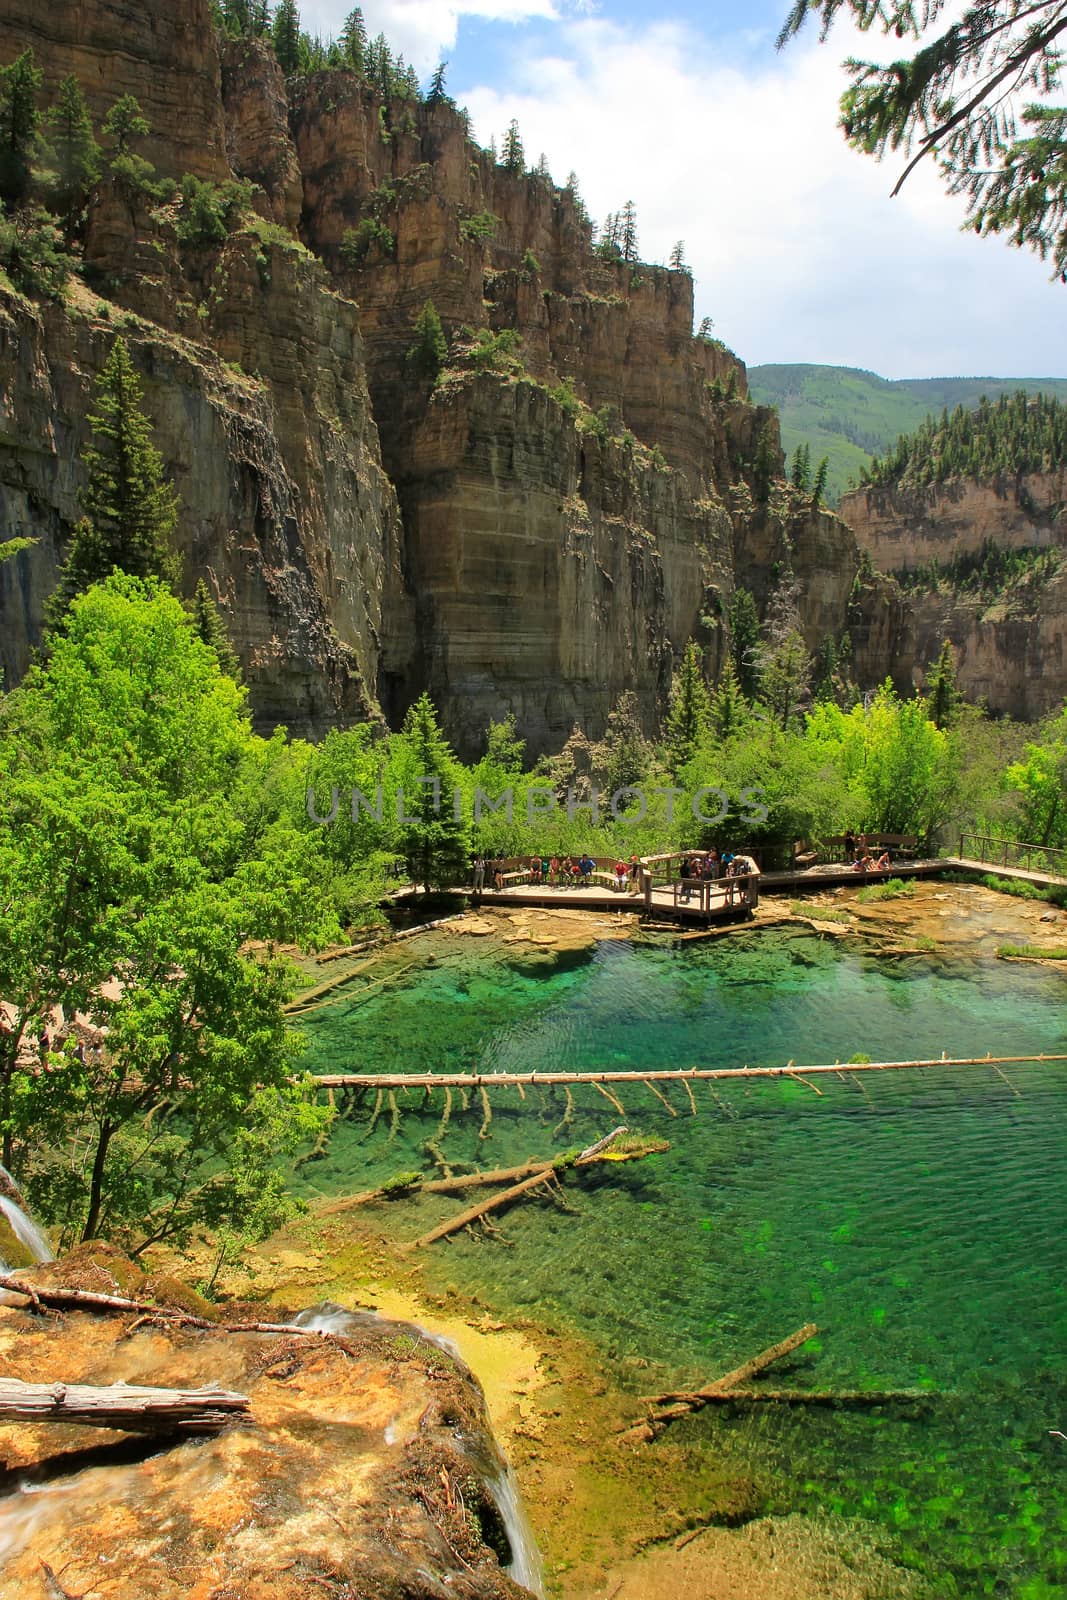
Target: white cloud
<point x="424" y="31"/>
<point x="798" y="251"/>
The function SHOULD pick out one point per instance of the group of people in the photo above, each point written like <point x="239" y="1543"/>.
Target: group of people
<point x="557" y="872"/>
<point x="858" y="854"/>
<point x="708" y="867"/>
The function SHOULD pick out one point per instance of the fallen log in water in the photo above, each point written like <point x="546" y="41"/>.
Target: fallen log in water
<point x="534" y="1174"/>
<point x="675" y="1403"/>
<point x="121" y="1405"/>
<point x="56" y="1299"/>
<point x="848" y="1398"/>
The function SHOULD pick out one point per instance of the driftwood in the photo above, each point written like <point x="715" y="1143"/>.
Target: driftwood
<point x="121" y="1405"/>
<point x="536" y="1173"/>
<point x="54" y="1299"/>
<point x="675" y="1403"/>
<point x="820" y="1397"/>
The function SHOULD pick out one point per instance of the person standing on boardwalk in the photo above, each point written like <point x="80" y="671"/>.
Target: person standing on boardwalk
<point x="479" y="874"/>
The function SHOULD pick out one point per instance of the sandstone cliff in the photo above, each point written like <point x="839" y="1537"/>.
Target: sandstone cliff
<point x="540" y="532"/>
<point x="1011" y="639"/>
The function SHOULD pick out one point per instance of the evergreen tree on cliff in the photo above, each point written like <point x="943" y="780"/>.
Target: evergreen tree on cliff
<point x="628" y="231"/>
<point x="73" y="154"/>
<point x="286" y="33"/>
<point x="124" y="124"/>
<point x="20" y="119"/>
<point x="943" y="697"/>
<point x="514" y="156"/>
<point x="956" y="101"/>
<point x="429" y="347"/>
<point x="436" y="94"/>
<point x="689" y="710"/>
<point x="130" y="509"/>
<point x="354" y="41"/>
<point x="434" y="844"/>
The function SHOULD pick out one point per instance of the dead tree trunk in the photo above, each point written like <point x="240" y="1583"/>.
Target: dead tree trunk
<point x="121" y="1405"/>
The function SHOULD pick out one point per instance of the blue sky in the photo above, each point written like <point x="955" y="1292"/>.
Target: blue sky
<point x="797" y="250"/>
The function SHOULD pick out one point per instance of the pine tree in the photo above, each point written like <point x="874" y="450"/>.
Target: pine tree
<point x="354" y="41"/>
<point x="677" y="258"/>
<point x="429" y="348"/>
<point x="130" y="509"/>
<point x="20" y="119"/>
<point x="628" y="231"/>
<point x="802" y="468"/>
<point x="434" y="845"/>
<point x="704" y="331"/>
<point x="784" y="677"/>
<point x="286" y="34"/>
<point x="211" y="630"/>
<point x="542" y="169"/>
<point x="514" y="157"/>
<point x="818" y="486"/>
<point x="742" y="620"/>
<point x="123" y="125"/>
<point x="943" y="697"/>
<point x="689" y="709"/>
<point x="763" y="465"/>
<point x="72" y="152"/>
<point x="436" y="92"/>
<point x="728" y="710"/>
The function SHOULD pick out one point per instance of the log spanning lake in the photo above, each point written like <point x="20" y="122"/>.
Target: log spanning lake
<point x="919" y="1221"/>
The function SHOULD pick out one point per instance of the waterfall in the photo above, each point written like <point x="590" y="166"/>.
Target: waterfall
<point x="23" y="1227"/>
<point x="525" y="1564"/>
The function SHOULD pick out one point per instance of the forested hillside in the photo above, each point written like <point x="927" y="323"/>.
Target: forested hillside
<point x="850" y="415"/>
<point x="1017" y="434"/>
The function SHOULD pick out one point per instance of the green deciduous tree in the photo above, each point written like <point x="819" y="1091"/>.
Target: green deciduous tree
<point x="130" y="509"/>
<point x="72" y="153"/>
<point x="689" y="709"/>
<point x="20" y="84"/>
<point x="136" y="869"/>
<point x="956" y="101"/>
<point x="1040" y="778"/>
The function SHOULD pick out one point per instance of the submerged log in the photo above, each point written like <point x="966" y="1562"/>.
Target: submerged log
<point x="850" y="1398"/>
<point x="676" y="1403"/>
<point x="474" y="1213"/>
<point x="121" y="1405"/>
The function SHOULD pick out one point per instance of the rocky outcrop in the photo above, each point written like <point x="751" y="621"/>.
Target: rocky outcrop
<point x="165" y="55"/>
<point x="284" y="505"/>
<point x="1010" y="641"/>
<point x="256" y="113"/>
<point x="368" y="1467"/>
<point x="904" y="528"/>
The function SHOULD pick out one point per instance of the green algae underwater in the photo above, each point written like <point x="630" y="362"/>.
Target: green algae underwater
<point x="917" y="1218"/>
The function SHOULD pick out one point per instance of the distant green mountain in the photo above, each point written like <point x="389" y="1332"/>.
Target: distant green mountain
<point x="851" y="415"/>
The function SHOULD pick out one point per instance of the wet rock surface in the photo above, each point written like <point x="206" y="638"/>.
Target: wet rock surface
<point x="368" y="1469"/>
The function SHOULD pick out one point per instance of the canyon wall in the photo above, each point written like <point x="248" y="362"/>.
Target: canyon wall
<point x="1010" y="637"/>
<point x="539" y="531"/>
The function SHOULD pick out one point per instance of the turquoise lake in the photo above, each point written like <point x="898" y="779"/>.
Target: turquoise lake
<point x="918" y="1218"/>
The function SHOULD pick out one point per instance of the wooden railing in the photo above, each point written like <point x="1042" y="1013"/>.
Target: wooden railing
<point x="1007" y="853"/>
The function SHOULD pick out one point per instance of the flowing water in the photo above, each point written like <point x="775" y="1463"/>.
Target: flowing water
<point x="917" y="1218"/>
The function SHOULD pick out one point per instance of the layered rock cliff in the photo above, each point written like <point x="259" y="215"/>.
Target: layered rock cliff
<point x="1010" y="636"/>
<point x="538" y="532"/>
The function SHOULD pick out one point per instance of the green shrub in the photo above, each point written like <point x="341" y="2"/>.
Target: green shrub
<point x="32" y="253"/>
<point x="564" y="396"/>
<point x="893" y="889"/>
<point x="137" y="179"/>
<point x="356" y="243"/>
<point x="531" y="267"/>
<point x="482" y="225"/>
<point x="210" y="212"/>
<point x="495" y="352"/>
<point x="1029" y="952"/>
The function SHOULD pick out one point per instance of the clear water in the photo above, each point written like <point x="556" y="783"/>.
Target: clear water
<point x="918" y="1219"/>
